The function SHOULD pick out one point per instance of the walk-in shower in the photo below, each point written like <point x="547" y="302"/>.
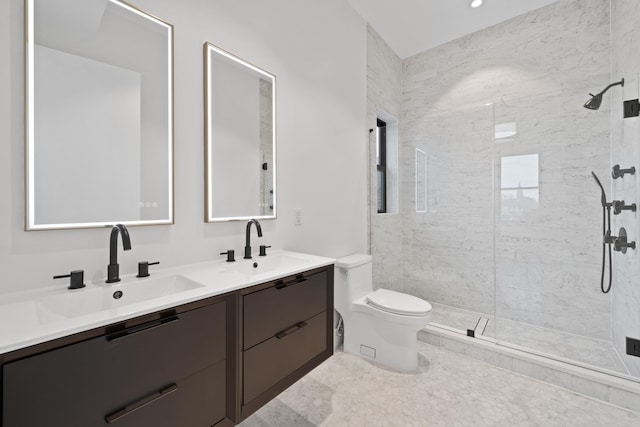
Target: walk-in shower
<point x="513" y="248"/>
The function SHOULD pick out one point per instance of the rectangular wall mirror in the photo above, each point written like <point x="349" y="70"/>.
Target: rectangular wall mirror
<point x="240" y="143"/>
<point x="99" y="115"/>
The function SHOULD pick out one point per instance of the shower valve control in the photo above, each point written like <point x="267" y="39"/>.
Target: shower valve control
<point x="616" y="172"/>
<point x="620" y="243"/>
<point x="619" y="206"/>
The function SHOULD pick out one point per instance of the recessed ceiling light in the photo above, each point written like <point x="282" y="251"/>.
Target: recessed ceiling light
<point x="476" y="3"/>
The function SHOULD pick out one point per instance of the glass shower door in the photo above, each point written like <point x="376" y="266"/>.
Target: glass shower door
<point x="548" y="227"/>
<point x="447" y="215"/>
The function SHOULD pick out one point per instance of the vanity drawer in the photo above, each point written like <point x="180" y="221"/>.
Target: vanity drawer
<point x="95" y="377"/>
<point x="162" y="406"/>
<point x="274" y="309"/>
<point x="204" y="391"/>
<point x="271" y="361"/>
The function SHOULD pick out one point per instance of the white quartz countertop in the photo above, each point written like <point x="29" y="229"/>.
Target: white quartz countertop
<point x="34" y="317"/>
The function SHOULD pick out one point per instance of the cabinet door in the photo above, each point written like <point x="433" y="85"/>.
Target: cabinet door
<point x="271" y="310"/>
<point x="148" y="366"/>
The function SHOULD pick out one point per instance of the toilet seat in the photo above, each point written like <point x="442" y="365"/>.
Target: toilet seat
<point x="398" y="303"/>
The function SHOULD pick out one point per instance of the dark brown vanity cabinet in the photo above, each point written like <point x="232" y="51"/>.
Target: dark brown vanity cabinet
<point x="167" y="371"/>
<point x="286" y="329"/>
<point x="209" y="362"/>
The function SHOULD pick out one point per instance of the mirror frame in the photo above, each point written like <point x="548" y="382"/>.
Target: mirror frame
<point x="209" y="49"/>
<point x="29" y="200"/>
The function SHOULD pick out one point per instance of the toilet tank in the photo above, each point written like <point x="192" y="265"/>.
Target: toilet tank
<point x="353" y="278"/>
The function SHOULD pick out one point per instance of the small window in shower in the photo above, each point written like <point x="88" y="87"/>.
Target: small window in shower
<point x="381" y="166"/>
<point x="386" y="164"/>
<point x="519" y="185"/>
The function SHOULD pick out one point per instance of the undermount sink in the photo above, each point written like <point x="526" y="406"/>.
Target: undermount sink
<point x="108" y="297"/>
<point x="266" y="264"/>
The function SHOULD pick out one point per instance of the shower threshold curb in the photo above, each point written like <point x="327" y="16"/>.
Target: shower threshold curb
<point x="597" y="385"/>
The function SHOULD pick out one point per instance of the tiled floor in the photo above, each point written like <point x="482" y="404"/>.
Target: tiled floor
<point x="574" y="347"/>
<point x="449" y="390"/>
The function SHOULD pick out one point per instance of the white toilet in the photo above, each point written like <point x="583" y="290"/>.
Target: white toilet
<point x="379" y="325"/>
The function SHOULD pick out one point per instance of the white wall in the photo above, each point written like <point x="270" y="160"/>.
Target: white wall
<point x="317" y="50"/>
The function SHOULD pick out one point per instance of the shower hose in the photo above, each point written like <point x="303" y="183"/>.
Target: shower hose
<point x="606" y="225"/>
<point x="606" y="234"/>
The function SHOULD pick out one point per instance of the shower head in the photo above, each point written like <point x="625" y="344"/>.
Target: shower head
<point x="603" y="197"/>
<point x="594" y="102"/>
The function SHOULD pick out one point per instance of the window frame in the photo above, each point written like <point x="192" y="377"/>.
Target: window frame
<point x="381" y="165"/>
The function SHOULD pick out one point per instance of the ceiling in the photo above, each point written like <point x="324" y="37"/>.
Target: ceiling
<point x="413" y="26"/>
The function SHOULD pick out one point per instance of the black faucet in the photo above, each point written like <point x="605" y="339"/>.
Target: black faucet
<point x="113" y="269"/>
<point x="247" y="248"/>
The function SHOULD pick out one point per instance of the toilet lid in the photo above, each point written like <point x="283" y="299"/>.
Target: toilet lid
<point x="398" y="303"/>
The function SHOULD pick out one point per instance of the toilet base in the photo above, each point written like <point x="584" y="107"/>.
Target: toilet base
<point x="391" y="345"/>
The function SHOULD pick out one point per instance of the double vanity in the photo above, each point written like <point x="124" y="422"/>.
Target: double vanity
<point x="199" y="345"/>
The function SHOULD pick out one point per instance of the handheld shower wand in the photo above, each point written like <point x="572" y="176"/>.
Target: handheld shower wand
<point x="603" y="194"/>
<point x="606" y="234"/>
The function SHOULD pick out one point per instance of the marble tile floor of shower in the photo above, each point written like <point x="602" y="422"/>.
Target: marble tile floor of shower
<point x="449" y="389"/>
<point x="578" y="348"/>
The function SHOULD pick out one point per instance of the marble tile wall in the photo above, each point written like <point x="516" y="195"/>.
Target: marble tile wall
<point x="534" y="70"/>
<point x="383" y="95"/>
<point x="625" y="150"/>
<point x="448" y="250"/>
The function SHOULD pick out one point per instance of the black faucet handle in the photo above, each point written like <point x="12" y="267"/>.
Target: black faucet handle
<point x="230" y="255"/>
<point x="143" y="268"/>
<point x="618" y="172"/>
<point x="263" y="250"/>
<point x="619" y="206"/>
<point x="77" y="279"/>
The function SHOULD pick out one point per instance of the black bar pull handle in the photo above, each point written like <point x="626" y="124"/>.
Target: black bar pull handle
<point x="291" y="329"/>
<point x="112" y="418"/>
<point x="297" y="280"/>
<point x="140" y="328"/>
